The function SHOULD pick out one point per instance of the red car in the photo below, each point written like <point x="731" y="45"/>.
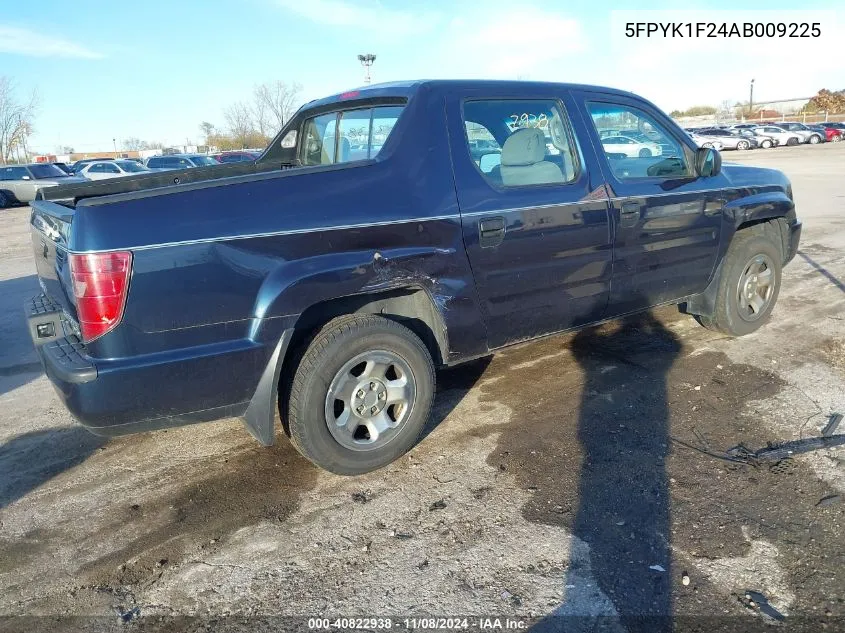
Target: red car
<point x="832" y="134"/>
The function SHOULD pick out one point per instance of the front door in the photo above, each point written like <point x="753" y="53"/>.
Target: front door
<point x="667" y="220"/>
<point x="534" y="213"/>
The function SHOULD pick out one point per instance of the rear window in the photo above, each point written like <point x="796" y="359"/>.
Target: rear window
<point x="348" y="135"/>
<point x="46" y="171"/>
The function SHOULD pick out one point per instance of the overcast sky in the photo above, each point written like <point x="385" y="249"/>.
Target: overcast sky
<point x="156" y="69"/>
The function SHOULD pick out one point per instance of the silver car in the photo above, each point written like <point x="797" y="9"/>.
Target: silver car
<point x="20" y="183"/>
<point x="112" y="169"/>
<point x="729" y="139"/>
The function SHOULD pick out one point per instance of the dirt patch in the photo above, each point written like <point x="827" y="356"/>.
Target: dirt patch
<point x="257" y="484"/>
<point x="833" y="352"/>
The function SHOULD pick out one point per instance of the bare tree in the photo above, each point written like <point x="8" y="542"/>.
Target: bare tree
<point x="16" y="121"/>
<point x="240" y="122"/>
<point x="207" y="130"/>
<point x="276" y="102"/>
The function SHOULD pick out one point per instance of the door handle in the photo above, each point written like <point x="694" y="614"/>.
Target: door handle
<point x="629" y="213"/>
<point x="491" y="231"/>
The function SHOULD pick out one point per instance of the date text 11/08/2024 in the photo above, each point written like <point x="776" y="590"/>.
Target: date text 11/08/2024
<point x="419" y="624"/>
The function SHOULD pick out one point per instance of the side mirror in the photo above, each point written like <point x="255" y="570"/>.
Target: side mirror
<point x="708" y="162"/>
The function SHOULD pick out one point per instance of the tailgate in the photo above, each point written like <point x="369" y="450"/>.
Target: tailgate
<point x="49" y="229"/>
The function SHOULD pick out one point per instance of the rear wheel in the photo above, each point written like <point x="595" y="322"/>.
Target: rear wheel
<point x="4" y="200"/>
<point x="766" y="144"/>
<point x="835" y="139"/>
<point x="645" y="152"/>
<point x="815" y="139"/>
<point x="749" y="283"/>
<point x="742" y="145"/>
<point x="361" y="394"/>
<point x="792" y="141"/>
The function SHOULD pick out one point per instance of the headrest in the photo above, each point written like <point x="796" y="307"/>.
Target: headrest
<point x="524" y="147"/>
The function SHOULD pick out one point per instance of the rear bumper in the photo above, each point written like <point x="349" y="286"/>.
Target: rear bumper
<point x="153" y="391"/>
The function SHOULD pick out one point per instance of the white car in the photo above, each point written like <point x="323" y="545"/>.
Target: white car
<point x="783" y="137"/>
<point x="619" y="144"/>
<point x="807" y="135"/>
<point x="112" y="169"/>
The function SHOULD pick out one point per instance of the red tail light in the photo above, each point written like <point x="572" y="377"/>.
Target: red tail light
<point x="100" y="285"/>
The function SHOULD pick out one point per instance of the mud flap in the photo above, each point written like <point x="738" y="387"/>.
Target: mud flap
<point x="260" y="415"/>
<point x="704" y="304"/>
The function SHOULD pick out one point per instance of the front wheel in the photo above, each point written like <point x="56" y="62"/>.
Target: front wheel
<point x="749" y="283"/>
<point x="361" y="394"/>
<point x="835" y="139"/>
<point x="766" y="144"/>
<point x="645" y="153"/>
<point x="4" y="201"/>
<point x="792" y="141"/>
<point x="742" y="145"/>
<point x="815" y="139"/>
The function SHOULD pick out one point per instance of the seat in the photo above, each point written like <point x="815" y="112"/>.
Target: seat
<point x="523" y="160"/>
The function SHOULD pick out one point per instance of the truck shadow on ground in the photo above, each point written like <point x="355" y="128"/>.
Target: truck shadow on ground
<point x="30" y="460"/>
<point x="822" y="270"/>
<point x="599" y="468"/>
<point x="19" y="363"/>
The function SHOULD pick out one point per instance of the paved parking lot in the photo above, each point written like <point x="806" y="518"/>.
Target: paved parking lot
<point x="551" y="480"/>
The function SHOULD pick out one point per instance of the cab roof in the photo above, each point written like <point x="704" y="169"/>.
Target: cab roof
<point x="408" y="88"/>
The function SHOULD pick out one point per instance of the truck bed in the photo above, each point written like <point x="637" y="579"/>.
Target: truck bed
<point x="69" y="195"/>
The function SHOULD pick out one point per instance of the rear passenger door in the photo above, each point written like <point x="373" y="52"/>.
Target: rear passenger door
<point x="534" y="213"/>
<point x="667" y="221"/>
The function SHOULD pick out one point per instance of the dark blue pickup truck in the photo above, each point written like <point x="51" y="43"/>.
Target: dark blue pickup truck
<point x="383" y="233"/>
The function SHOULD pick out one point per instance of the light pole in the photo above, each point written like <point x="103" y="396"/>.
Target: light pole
<point x="114" y="142"/>
<point x="751" y="99"/>
<point x="367" y="61"/>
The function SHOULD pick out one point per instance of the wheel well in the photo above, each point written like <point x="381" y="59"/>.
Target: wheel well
<point x="413" y="307"/>
<point x="775" y="229"/>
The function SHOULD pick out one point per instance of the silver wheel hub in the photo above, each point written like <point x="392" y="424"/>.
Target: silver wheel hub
<point x="755" y="288"/>
<point x="369" y="399"/>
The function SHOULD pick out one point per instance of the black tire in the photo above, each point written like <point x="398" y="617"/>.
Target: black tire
<point x="336" y="345"/>
<point x="766" y="144"/>
<point x="792" y="141"/>
<point x="4" y="200"/>
<point x="747" y="245"/>
<point x="645" y="153"/>
<point x="815" y="139"/>
<point x="742" y="145"/>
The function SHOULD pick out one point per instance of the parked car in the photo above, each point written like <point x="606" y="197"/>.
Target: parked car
<point x="764" y="141"/>
<point x="834" y="125"/>
<point x="111" y="169"/>
<point x="20" y="183"/>
<point x="64" y="167"/>
<point x="831" y="134"/>
<point x="630" y="147"/>
<point x="807" y="135"/>
<point x="729" y="139"/>
<point x="705" y="141"/>
<point x="78" y="165"/>
<point x="237" y="156"/>
<point x="782" y="136"/>
<point x="180" y="161"/>
<point x="327" y="289"/>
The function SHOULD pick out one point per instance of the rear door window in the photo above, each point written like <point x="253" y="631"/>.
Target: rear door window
<point x="348" y="135"/>
<point x="521" y="143"/>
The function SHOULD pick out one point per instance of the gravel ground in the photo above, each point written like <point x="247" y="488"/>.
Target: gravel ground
<point x="551" y="481"/>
